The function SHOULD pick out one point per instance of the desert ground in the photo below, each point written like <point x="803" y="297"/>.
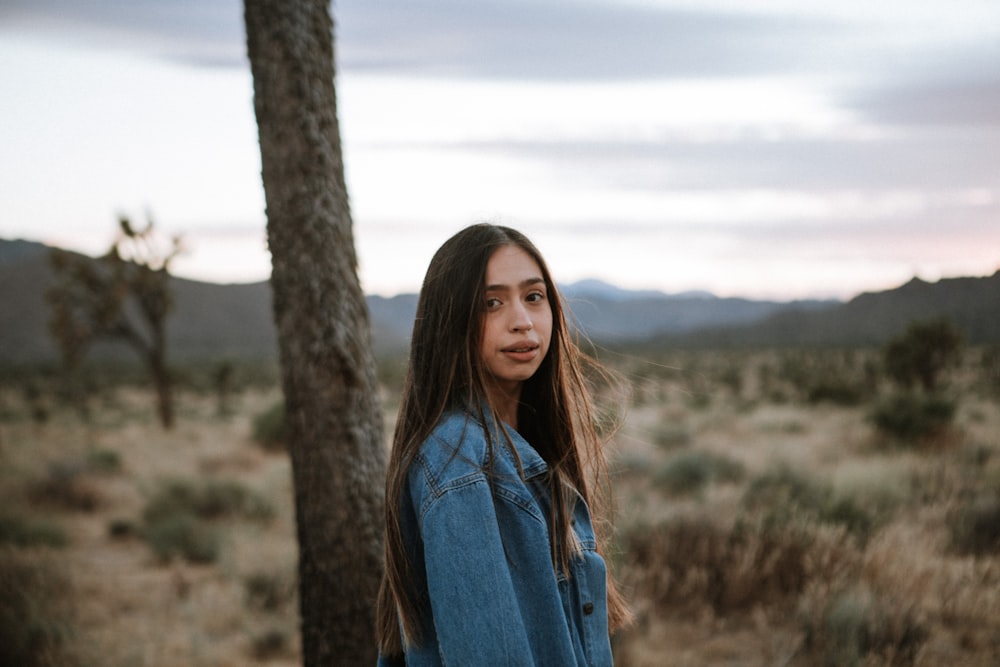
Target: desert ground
<point x="762" y="518"/>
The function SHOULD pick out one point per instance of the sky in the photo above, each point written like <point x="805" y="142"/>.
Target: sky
<point x="774" y="149"/>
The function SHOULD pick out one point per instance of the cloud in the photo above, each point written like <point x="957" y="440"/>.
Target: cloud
<point x="937" y="83"/>
<point x="545" y="40"/>
<point x="193" y="32"/>
<point x="563" y="41"/>
<point x="513" y="39"/>
<point x="713" y="132"/>
<point x="966" y="100"/>
<point x="941" y="160"/>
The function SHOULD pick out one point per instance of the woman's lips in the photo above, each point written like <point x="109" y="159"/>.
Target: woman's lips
<point x="522" y="351"/>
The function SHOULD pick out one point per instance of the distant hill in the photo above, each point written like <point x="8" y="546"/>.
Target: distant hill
<point x="213" y="321"/>
<point x="609" y="314"/>
<point x="972" y="304"/>
<point x="18" y="249"/>
<point x="209" y="320"/>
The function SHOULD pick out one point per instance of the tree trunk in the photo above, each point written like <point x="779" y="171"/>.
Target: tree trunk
<point x="164" y="387"/>
<point x="328" y="371"/>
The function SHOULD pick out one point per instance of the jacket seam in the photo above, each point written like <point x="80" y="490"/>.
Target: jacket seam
<point x="515" y="500"/>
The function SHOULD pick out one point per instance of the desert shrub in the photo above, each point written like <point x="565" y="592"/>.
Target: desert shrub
<point x="104" y="461"/>
<point x="910" y="417"/>
<point x="177" y="519"/>
<point x="37" y="401"/>
<point x="120" y="528"/>
<point x="785" y="490"/>
<point x="921" y="354"/>
<point x="233" y="499"/>
<point x="173" y="497"/>
<point x="789" y="367"/>
<point x="989" y="369"/>
<point x="689" y="472"/>
<point x="669" y="436"/>
<point x="782" y="495"/>
<point x="975" y="527"/>
<point x="836" y="390"/>
<point x="269" y="428"/>
<point x="21" y="531"/>
<point x="853" y="626"/>
<point x="66" y="485"/>
<point x="183" y="535"/>
<point x="976" y="456"/>
<point x="36" y="615"/>
<point x="687" y="563"/>
<point x="848" y="512"/>
<point x="390" y="369"/>
<point x="878" y="490"/>
<point x="268" y="591"/>
<point x="731" y="377"/>
<point x="699" y="400"/>
<point x="270" y="644"/>
<point x="211" y="500"/>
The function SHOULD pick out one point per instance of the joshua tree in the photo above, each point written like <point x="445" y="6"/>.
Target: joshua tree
<point x="328" y="370"/>
<point x="916" y="361"/>
<point x="922" y="353"/>
<point x="122" y="295"/>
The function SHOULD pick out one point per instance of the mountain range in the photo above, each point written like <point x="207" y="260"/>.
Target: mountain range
<point x="234" y="321"/>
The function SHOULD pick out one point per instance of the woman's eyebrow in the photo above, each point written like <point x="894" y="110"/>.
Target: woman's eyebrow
<point x="528" y="282"/>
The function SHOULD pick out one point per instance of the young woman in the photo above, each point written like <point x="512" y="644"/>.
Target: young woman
<point x="492" y="557"/>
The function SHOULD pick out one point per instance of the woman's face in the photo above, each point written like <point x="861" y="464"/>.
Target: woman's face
<point x="517" y="326"/>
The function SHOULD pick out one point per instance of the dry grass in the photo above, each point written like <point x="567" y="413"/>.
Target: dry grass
<point x="131" y="609"/>
<point x="827" y="546"/>
<point x="848" y="557"/>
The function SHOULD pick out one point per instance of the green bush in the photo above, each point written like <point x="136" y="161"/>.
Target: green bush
<point x="177" y="519"/>
<point x="781" y="495"/>
<point x="270" y="430"/>
<point x="20" y="531"/>
<point x="104" y="461"/>
<point x="783" y="488"/>
<point x="36" y="615"/>
<point x="975" y="527"/>
<point x="853" y="626"/>
<point x="232" y="499"/>
<point x="212" y="500"/>
<point x="672" y="437"/>
<point x="849" y="513"/>
<point x="268" y="591"/>
<point x="66" y="485"/>
<point x="989" y="365"/>
<point x="911" y="416"/>
<point x="271" y="644"/>
<point x="120" y="528"/>
<point x="837" y="391"/>
<point x="183" y="535"/>
<point x="920" y="355"/>
<point x="689" y="472"/>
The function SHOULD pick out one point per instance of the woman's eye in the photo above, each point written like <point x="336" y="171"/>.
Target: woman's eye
<point x="535" y="297"/>
<point x="492" y="302"/>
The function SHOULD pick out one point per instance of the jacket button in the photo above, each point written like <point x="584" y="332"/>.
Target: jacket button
<point x="588" y="608"/>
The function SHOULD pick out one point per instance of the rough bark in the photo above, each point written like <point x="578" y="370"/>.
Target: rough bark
<point x="328" y="376"/>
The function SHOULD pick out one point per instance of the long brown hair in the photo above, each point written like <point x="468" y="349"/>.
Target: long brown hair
<point x="444" y="372"/>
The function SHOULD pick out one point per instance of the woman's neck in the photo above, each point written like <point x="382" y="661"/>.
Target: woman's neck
<point x="504" y="400"/>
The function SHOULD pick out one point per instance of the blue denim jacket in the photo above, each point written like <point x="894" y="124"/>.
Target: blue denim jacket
<point x="484" y="561"/>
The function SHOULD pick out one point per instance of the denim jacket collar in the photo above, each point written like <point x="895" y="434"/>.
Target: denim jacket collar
<point x="532" y="463"/>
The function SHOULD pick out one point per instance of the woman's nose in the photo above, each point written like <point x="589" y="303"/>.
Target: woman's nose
<point x="520" y="319"/>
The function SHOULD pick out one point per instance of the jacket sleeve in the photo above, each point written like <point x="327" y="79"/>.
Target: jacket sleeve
<point x="475" y="609"/>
